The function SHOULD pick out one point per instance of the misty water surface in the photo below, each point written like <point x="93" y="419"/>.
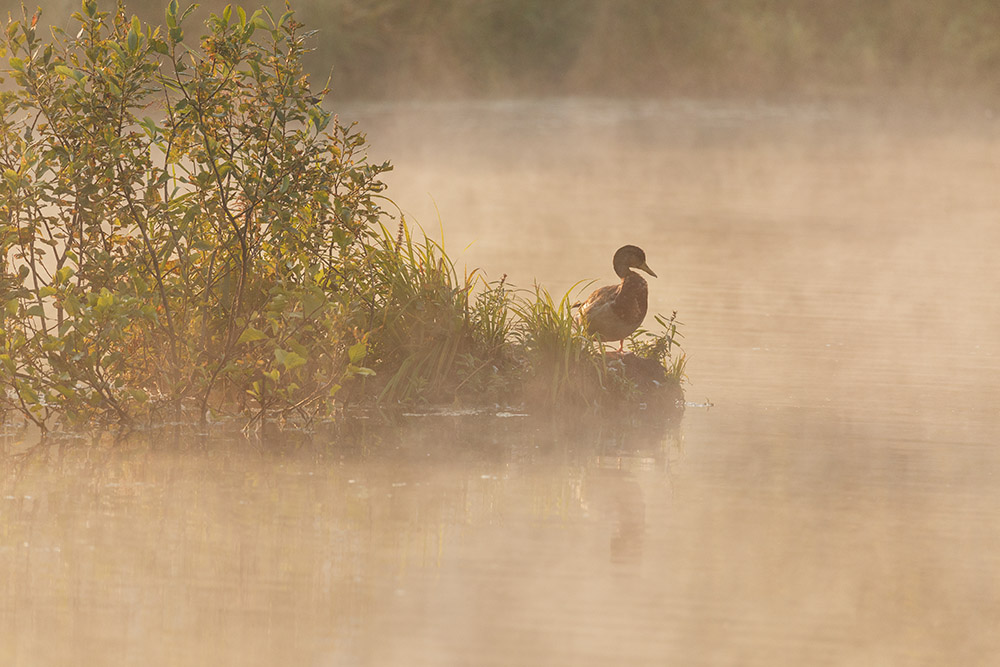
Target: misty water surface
<point x="839" y="503"/>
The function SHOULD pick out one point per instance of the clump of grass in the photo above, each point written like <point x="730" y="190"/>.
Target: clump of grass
<point x="490" y="370"/>
<point x="430" y="338"/>
<point x="564" y="364"/>
<point x="419" y="319"/>
<point x="491" y="316"/>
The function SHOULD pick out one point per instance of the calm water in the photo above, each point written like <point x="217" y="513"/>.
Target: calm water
<point x="838" y="505"/>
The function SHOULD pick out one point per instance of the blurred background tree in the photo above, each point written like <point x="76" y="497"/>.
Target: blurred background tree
<point x="433" y="48"/>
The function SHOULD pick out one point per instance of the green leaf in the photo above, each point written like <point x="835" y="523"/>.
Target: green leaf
<point x="190" y="213"/>
<point x="47" y="290"/>
<point x="290" y="360"/>
<point x="312" y="302"/>
<point x="152" y="129"/>
<point x="105" y="299"/>
<point x="27" y="394"/>
<point x="357" y="352"/>
<point x="249" y="335"/>
<point x="74" y="74"/>
<point x="64" y="274"/>
<point x="72" y="305"/>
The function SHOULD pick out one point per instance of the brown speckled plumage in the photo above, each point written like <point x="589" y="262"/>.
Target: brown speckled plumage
<point x="615" y="311"/>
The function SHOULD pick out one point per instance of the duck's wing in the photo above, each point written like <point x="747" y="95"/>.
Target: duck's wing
<point x="598" y="312"/>
<point x="600" y="298"/>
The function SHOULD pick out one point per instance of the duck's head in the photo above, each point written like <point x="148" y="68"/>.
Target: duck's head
<point x="631" y="257"/>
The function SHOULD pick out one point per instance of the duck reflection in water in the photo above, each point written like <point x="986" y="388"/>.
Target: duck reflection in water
<point x="617" y="494"/>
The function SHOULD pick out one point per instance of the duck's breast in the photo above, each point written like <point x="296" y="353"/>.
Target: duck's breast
<point x="632" y="300"/>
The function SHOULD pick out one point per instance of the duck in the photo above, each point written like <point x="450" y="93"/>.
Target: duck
<point x="615" y="311"/>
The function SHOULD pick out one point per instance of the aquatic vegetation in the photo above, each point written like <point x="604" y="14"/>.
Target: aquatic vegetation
<point x="186" y="233"/>
<point x="564" y="360"/>
<point x="424" y="323"/>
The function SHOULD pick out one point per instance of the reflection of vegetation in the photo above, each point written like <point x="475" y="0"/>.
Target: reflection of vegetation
<point x="301" y="535"/>
<point x="226" y="253"/>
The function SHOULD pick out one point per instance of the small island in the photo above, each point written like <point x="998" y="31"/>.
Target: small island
<point x="189" y="233"/>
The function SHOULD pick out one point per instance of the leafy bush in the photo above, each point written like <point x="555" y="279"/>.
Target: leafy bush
<point x="181" y="224"/>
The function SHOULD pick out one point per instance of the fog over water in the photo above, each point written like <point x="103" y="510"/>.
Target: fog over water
<point x="839" y="503"/>
<point x="829" y="256"/>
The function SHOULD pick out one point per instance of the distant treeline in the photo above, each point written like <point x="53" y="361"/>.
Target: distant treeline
<point x="387" y="48"/>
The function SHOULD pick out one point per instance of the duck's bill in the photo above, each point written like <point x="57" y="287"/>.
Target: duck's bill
<point x="645" y="267"/>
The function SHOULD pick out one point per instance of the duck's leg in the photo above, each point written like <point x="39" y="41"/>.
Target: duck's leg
<point x="621" y="345"/>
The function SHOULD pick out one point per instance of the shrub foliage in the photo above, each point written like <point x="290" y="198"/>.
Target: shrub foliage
<point x="178" y="221"/>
